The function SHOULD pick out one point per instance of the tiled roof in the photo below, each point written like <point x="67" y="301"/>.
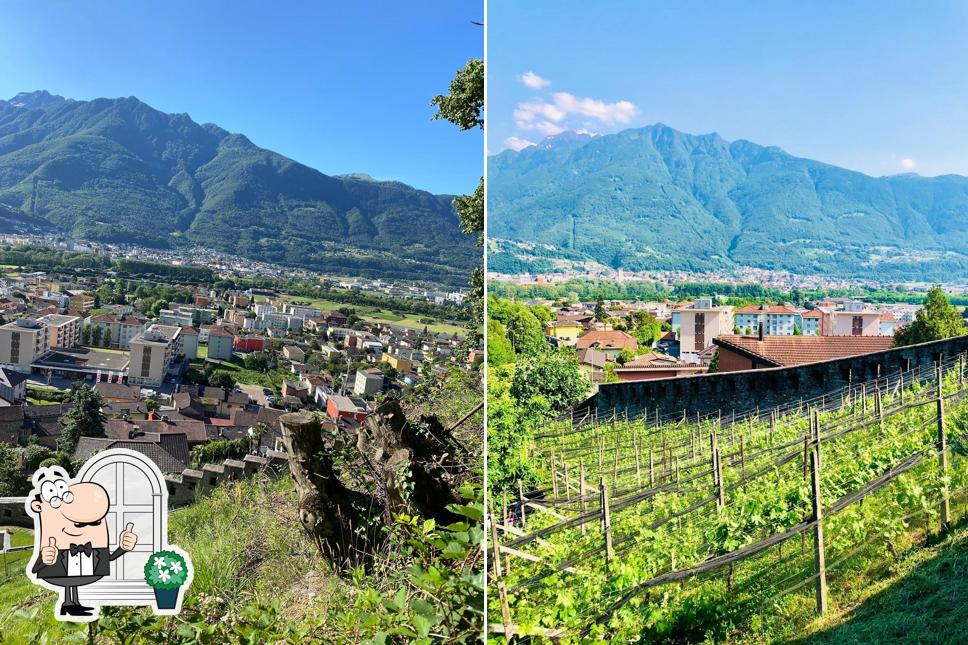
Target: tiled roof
<point x="797" y="350"/>
<point x="887" y="316"/>
<point x="118" y="391"/>
<point x="593" y="357"/>
<point x="765" y="309"/>
<point x="656" y="361"/>
<point x="11" y="378"/>
<point x="607" y="340"/>
<point x="813" y="313"/>
<point x="118" y="429"/>
<point x="169" y="451"/>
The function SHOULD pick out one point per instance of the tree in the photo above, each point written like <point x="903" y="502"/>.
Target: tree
<point x="107" y="337"/>
<point x="555" y="378"/>
<point x="937" y="319"/>
<point x="463" y="106"/>
<point x="259" y="362"/>
<point x="96" y="334"/>
<point x="86" y="335"/>
<point x="714" y="363"/>
<point x="35" y="454"/>
<point x="84" y="419"/>
<point x="797" y="331"/>
<point x="223" y="380"/>
<point x="736" y="329"/>
<point x="13" y="481"/>
<point x="625" y="356"/>
<point x="601" y="314"/>
<point x="499" y="349"/>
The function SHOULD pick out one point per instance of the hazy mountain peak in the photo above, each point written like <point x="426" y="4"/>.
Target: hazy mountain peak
<point x="36" y="99"/>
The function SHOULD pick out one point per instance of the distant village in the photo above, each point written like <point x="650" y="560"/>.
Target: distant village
<point x="152" y="371"/>
<point x="700" y="336"/>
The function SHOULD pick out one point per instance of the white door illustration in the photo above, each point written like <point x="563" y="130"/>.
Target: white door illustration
<point x="137" y="496"/>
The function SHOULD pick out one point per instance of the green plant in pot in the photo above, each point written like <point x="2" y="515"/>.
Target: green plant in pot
<point x="166" y="572"/>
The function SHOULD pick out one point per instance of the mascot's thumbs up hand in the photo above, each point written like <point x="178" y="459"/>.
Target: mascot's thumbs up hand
<point x="127" y="540"/>
<point x="48" y="554"/>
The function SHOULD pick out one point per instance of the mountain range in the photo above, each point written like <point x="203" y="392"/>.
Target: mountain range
<point x="118" y="170"/>
<point x="654" y="198"/>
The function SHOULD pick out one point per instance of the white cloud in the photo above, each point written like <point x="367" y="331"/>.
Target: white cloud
<point x="908" y="164"/>
<point x="517" y="143"/>
<point x="547" y="117"/>
<point x="533" y="81"/>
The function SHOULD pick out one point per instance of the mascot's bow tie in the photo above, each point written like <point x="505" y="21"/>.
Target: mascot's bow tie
<point x="81" y="548"/>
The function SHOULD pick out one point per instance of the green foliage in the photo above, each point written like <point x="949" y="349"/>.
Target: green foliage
<point x="601" y="314"/>
<point x="937" y="319"/>
<point x="35" y="454"/>
<point x="13" y="480"/>
<point x="166" y="570"/>
<point x="221" y="379"/>
<point x="524" y="330"/>
<point x="257" y="361"/>
<point x="625" y="356"/>
<point x="464" y="104"/>
<point x="553" y="378"/>
<point x="499" y="349"/>
<point x="215" y="452"/>
<point x="84" y="419"/>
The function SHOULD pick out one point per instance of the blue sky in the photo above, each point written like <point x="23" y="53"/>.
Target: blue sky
<point x="880" y="87"/>
<point x="342" y="87"/>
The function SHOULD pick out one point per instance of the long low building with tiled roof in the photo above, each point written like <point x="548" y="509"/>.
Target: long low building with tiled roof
<point x="753" y="352"/>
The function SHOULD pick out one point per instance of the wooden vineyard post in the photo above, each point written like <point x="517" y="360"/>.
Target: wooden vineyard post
<point x="554" y="477"/>
<point x="567" y="482"/>
<point x="819" y="556"/>
<point x="601" y="454"/>
<point x="521" y="502"/>
<point x="495" y="545"/>
<point x="772" y="426"/>
<point x="505" y="611"/>
<point x="581" y="491"/>
<point x="719" y="479"/>
<point x="712" y="457"/>
<point x="615" y="467"/>
<point x="943" y="459"/>
<point x="816" y="433"/>
<point x="879" y="401"/>
<point x="677" y="471"/>
<point x="742" y="457"/>
<point x="638" y="468"/>
<point x="606" y="522"/>
<point x="651" y="467"/>
<point x="863" y="393"/>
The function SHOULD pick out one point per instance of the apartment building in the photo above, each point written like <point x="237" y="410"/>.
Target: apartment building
<point x="22" y="342"/>
<point x="123" y="327"/>
<point x="699" y="324"/>
<point x="62" y="331"/>
<point x="777" y="320"/>
<point x="368" y="382"/>
<point x="152" y="353"/>
<point x="220" y="341"/>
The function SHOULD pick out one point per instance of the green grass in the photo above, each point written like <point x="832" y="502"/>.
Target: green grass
<point x="378" y="315"/>
<point x="923" y="601"/>
<point x="237" y="369"/>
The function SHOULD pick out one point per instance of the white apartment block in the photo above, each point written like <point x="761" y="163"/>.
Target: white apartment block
<point x="63" y="331"/>
<point x="152" y="353"/>
<point x="777" y="320"/>
<point x="123" y="327"/>
<point x="22" y="342"/>
<point x="699" y="324"/>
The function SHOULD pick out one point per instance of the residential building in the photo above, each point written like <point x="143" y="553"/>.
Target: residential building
<point x="399" y="363"/>
<point x="339" y="406"/>
<point x="152" y="353"/>
<point x="13" y="385"/>
<point x="610" y="342"/>
<point x="753" y="352"/>
<point x="810" y="322"/>
<point x="566" y="330"/>
<point x="22" y="342"/>
<point x="63" y="331"/>
<point x="189" y="343"/>
<point x="855" y="319"/>
<point x="368" y="382"/>
<point x="220" y="341"/>
<point x="592" y="362"/>
<point x="249" y="343"/>
<point x="294" y="353"/>
<point x="122" y="327"/>
<point x="654" y="366"/>
<point x="888" y="324"/>
<point x="699" y="324"/>
<point x="777" y="320"/>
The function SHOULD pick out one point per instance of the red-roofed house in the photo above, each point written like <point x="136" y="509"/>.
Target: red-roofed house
<point x="750" y="352"/>
<point x="610" y="342"/>
<point x="653" y="366"/>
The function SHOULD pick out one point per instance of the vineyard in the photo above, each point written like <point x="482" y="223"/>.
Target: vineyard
<point x="730" y="527"/>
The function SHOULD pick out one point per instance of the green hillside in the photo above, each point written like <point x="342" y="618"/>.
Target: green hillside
<point x="118" y="170"/>
<point x="656" y="198"/>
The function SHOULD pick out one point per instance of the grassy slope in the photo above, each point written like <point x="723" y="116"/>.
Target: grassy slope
<point x="376" y="314"/>
<point x="923" y="601"/>
<point x="246" y="544"/>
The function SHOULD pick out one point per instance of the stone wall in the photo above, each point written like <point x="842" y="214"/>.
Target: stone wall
<point x="763" y="388"/>
<point x="183" y="489"/>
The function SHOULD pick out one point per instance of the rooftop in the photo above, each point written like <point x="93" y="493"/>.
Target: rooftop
<point x="780" y="351"/>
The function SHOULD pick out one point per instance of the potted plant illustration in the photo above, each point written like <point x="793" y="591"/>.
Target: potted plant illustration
<point x="166" y="572"/>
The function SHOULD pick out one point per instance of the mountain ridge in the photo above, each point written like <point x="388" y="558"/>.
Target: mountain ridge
<point x="118" y="170"/>
<point x="655" y="198"/>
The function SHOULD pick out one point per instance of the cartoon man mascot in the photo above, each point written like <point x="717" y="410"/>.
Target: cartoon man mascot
<point x="72" y="543"/>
